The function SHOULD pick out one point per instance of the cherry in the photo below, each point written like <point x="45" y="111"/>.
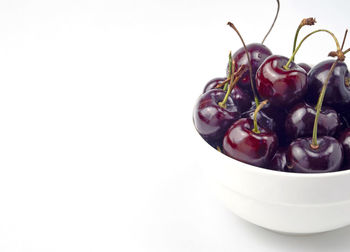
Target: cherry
<point x="303" y="158"/>
<point x="241" y="143"/>
<point x="210" y="119"/>
<point x="215" y="111"/>
<point x="338" y="91"/>
<point x="250" y="143"/>
<point x="257" y="54"/>
<point x="282" y="87"/>
<point x="299" y="121"/>
<point x="241" y="98"/>
<point x="264" y="120"/>
<point x="279" y="161"/>
<point x="305" y="66"/>
<point x="279" y="79"/>
<point x="271" y="119"/>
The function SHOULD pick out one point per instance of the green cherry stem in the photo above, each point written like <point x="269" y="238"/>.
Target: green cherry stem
<point x="229" y="69"/>
<point x="230" y="64"/>
<point x="234" y="79"/>
<point x="226" y="82"/>
<point x="258" y="108"/>
<point x="228" y="79"/>
<point x="314" y="143"/>
<point x="286" y="66"/>
<point x="249" y="63"/>
<point x="305" y="21"/>
<point x="274" y="21"/>
<point x="233" y="69"/>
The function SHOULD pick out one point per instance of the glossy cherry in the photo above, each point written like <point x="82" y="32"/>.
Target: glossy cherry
<point x="300" y="121"/>
<point x="241" y="98"/>
<point x="242" y="143"/>
<point x="210" y="119"/>
<point x="257" y="54"/>
<point x="269" y="118"/>
<point x="281" y="87"/>
<point x="302" y="158"/>
<point x="264" y="120"/>
<point x="338" y="90"/>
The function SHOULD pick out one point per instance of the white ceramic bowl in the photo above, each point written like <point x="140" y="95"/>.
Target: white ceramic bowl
<point x="279" y="201"/>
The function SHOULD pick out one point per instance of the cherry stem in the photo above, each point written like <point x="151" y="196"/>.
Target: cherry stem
<point x="314" y="144"/>
<point x="229" y="68"/>
<point x="346" y="51"/>
<point x="233" y="69"/>
<point x="221" y="84"/>
<point x="305" y="21"/>
<point x="234" y="79"/>
<point x="249" y="63"/>
<point x="286" y="66"/>
<point x="258" y="108"/>
<point x="274" y="21"/>
<point x="342" y="45"/>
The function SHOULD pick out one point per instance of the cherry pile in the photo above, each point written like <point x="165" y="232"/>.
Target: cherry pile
<point x="274" y="113"/>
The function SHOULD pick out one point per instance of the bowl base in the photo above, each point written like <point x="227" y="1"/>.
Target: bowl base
<point x="247" y="209"/>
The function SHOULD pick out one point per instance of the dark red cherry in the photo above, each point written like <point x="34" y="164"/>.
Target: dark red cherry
<point x="241" y="98"/>
<point x="264" y="120"/>
<point x="271" y="119"/>
<point x="279" y="161"/>
<point x="300" y="121"/>
<point x="210" y="119"/>
<point x="344" y="140"/>
<point x="328" y="157"/>
<point x="281" y="87"/>
<point x="257" y="53"/>
<point x="338" y="89"/>
<point x="268" y="117"/>
<point x="241" y="143"/>
<point x="212" y="84"/>
<point x="305" y="66"/>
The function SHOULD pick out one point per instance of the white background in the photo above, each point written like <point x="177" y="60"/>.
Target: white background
<point x="97" y="147"/>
